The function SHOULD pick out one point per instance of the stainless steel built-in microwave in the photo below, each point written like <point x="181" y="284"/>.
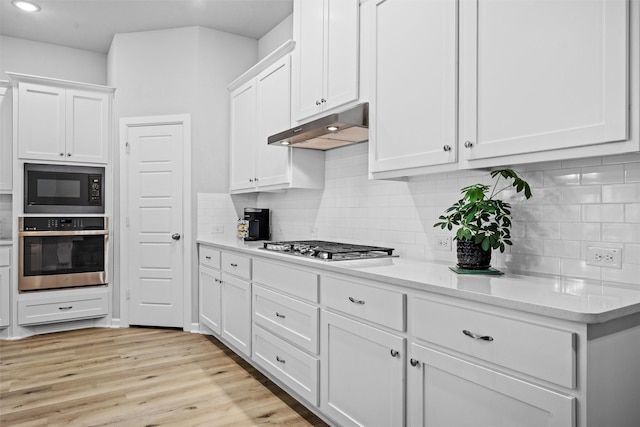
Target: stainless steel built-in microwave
<point x="63" y="189"/>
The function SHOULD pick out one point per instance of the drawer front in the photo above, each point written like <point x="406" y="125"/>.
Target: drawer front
<point x="31" y="312"/>
<point x="237" y="265"/>
<point x="209" y="257"/>
<point x="287" y="317"/>
<point x="5" y="256"/>
<point x="536" y="350"/>
<point x="380" y="306"/>
<point x="292" y="366"/>
<point x="299" y="283"/>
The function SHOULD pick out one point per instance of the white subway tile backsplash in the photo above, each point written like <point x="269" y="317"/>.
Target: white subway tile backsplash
<point x="575" y="204"/>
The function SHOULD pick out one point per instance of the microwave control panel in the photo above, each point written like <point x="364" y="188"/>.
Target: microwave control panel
<point x="95" y="189"/>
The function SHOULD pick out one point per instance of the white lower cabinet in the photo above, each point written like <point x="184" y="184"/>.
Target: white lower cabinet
<point x="60" y="306"/>
<point x="294" y="367"/>
<point x="362" y="380"/>
<point x="5" y="280"/>
<point x="210" y="298"/>
<point x="447" y="391"/>
<point x="236" y="312"/>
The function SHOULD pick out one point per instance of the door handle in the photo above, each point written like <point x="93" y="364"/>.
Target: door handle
<point x="175" y="236"/>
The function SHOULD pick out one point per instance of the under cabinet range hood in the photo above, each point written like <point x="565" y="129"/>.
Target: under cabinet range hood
<point x="332" y="131"/>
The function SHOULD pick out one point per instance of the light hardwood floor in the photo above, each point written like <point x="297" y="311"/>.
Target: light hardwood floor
<point x="136" y="377"/>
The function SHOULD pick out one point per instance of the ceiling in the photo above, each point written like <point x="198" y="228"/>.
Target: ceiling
<point x="91" y="24"/>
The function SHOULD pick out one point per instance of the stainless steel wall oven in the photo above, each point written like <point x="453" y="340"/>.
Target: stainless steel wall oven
<point x="62" y="252"/>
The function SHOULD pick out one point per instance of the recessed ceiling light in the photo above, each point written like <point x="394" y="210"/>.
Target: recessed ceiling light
<point x="26" y="5"/>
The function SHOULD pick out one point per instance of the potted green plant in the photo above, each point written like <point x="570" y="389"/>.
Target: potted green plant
<point x="483" y="219"/>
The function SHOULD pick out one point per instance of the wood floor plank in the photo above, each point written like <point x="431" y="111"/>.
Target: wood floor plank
<point x="136" y="377"/>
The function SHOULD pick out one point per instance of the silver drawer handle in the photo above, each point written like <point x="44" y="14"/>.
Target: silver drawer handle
<point x="477" y="336"/>
<point x="282" y="316"/>
<point x="394" y="353"/>
<point x="69" y="307"/>
<point x="280" y="360"/>
<point x="414" y="362"/>
<point x="356" y="301"/>
<point x="208" y="257"/>
<point x="234" y="265"/>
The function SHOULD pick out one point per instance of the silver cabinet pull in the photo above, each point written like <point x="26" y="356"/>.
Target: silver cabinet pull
<point x="323" y="100"/>
<point x="69" y="307"/>
<point x="250" y="179"/>
<point x="280" y="360"/>
<point x="282" y="316"/>
<point x="175" y="236"/>
<point x="61" y="154"/>
<point x="414" y="362"/>
<point x="447" y="148"/>
<point x="208" y="257"/>
<point x="394" y="353"/>
<point x="234" y="265"/>
<point x="317" y="102"/>
<point x="356" y="301"/>
<point x="68" y="154"/>
<point x="468" y="144"/>
<point x="477" y="336"/>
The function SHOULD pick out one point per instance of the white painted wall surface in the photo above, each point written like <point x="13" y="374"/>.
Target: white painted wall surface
<point x="276" y="37"/>
<point x="182" y="71"/>
<point x="43" y="59"/>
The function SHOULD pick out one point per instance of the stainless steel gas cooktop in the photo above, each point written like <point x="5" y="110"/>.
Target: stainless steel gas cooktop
<point x="329" y="251"/>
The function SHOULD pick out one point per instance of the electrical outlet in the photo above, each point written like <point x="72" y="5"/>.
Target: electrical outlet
<point x="443" y="243"/>
<point x="604" y="257"/>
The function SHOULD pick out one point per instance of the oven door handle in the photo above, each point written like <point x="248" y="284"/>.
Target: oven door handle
<point x="63" y="233"/>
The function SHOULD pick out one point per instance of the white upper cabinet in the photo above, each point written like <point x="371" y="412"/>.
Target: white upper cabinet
<point x="61" y="121"/>
<point x="413" y="106"/>
<point x="261" y="107"/>
<point x="325" y="68"/>
<point x="6" y="138"/>
<point x="538" y="76"/>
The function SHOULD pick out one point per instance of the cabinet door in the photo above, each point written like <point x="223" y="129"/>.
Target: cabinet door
<point x="413" y="108"/>
<point x="236" y="313"/>
<point x="243" y="137"/>
<point x="5" y="277"/>
<point x="539" y="76"/>
<point x="210" y="298"/>
<point x="444" y="390"/>
<point x="274" y="115"/>
<point x="41" y="122"/>
<point x="362" y="373"/>
<point x="309" y="31"/>
<point x="341" y="57"/>
<point x="6" y="139"/>
<point x="87" y="121"/>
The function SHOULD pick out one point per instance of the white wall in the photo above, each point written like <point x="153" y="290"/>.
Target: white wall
<point x="182" y="71"/>
<point x="276" y="37"/>
<point x="43" y="59"/>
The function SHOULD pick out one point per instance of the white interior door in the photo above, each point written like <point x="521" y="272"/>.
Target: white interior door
<point x="154" y="181"/>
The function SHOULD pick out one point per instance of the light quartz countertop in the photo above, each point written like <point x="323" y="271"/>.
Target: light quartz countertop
<point x="579" y="300"/>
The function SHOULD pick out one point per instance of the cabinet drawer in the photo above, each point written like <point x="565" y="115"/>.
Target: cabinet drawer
<point x="58" y="309"/>
<point x="287" y="317"/>
<point x="300" y="283"/>
<point x="536" y="350"/>
<point x="293" y="367"/>
<point x="381" y="306"/>
<point x="237" y="265"/>
<point x="209" y="257"/>
<point x="5" y="256"/>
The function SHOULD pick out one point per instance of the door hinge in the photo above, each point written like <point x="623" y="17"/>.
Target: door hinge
<point x="127" y="147"/>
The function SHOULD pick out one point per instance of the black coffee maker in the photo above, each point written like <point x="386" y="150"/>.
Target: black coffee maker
<point x="258" y="227"/>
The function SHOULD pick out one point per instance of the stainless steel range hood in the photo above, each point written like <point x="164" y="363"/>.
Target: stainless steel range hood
<point x="332" y="131"/>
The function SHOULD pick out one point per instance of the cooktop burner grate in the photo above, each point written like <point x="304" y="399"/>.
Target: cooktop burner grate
<point x="331" y="251"/>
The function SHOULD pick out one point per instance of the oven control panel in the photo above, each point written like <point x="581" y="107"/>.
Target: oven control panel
<point x="62" y="223"/>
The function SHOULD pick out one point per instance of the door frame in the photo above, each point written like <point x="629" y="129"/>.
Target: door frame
<point x="187" y="234"/>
